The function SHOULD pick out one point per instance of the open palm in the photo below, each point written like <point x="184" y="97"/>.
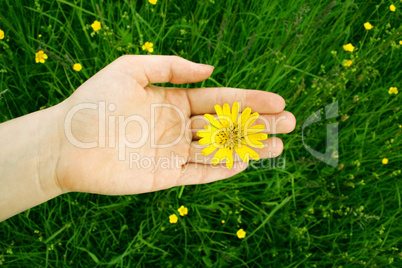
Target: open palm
<point x="121" y="135"/>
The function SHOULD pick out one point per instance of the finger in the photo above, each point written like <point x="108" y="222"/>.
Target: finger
<point x="161" y="69"/>
<point x="284" y="122"/>
<point x="202" y="100"/>
<point x="273" y="147"/>
<point x="194" y="173"/>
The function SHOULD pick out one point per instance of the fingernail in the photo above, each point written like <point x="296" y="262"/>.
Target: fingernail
<point x="210" y="66"/>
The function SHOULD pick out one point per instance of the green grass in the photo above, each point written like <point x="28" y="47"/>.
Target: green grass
<point x="307" y="214"/>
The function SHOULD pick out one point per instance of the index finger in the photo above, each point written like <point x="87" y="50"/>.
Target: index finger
<point x="203" y="100"/>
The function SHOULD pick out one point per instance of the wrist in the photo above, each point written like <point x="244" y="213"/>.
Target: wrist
<point x="30" y="151"/>
<point x="48" y="143"/>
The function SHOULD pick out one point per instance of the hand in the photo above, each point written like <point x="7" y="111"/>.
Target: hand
<point x="98" y="114"/>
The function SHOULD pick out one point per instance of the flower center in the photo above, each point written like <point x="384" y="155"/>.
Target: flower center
<point x="228" y="137"/>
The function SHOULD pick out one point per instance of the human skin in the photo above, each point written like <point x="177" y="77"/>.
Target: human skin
<point x="39" y="161"/>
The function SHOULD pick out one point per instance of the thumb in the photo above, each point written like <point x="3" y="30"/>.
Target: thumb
<point x="161" y="69"/>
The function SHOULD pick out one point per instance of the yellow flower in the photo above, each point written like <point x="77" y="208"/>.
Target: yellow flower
<point x="96" y="26"/>
<point x="183" y="211"/>
<point x="231" y="133"/>
<point x="173" y="218"/>
<point x="368" y="26"/>
<point x="153" y="2"/>
<point x="39" y="35"/>
<point x="1" y="34"/>
<point x="347" y="62"/>
<point x="400" y="42"/>
<point x="393" y="90"/>
<point x="392" y="8"/>
<point x="40" y="56"/>
<point x="241" y="233"/>
<point x="349" y="47"/>
<point x="385" y="161"/>
<point x="148" y="46"/>
<point x="77" y="67"/>
<point x="223" y="221"/>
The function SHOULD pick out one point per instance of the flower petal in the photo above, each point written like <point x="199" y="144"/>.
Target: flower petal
<point x="235" y="112"/>
<point x="218" y="156"/>
<point x="208" y="150"/>
<point x="215" y="123"/>
<point x="253" y="140"/>
<point x="244" y="115"/>
<point x="205" y="141"/>
<point x="229" y="158"/>
<point x="258" y="136"/>
<point x="246" y="153"/>
<point x="218" y="109"/>
<point x="253" y="129"/>
<point x="224" y="154"/>
<point x="226" y="109"/>
<point x="225" y="118"/>
<point x="255" y="144"/>
<point x="251" y="120"/>
<point x="203" y="133"/>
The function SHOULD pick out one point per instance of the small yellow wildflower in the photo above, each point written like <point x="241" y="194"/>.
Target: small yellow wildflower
<point x="77" y="67"/>
<point x="349" y="47"/>
<point x="1" y="34"/>
<point x="173" y="218"/>
<point x="400" y="42"/>
<point x="385" y="161"/>
<point x="368" y="26"/>
<point x="96" y="25"/>
<point x="232" y="133"/>
<point x="347" y="62"/>
<point x="40" y="56"/>
<point x="183" y="211"/>
<point x="39" y="35"/>
<point x="153" y="2"/>
<point x="392" y="8"/>
<point x="241" y="234"/>
<point x="223" y="221"/>
<point x="393" y="90"/>
<point x="148" y="46"/>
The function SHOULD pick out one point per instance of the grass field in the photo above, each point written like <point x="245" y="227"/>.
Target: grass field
<point x="296" y="210"/>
